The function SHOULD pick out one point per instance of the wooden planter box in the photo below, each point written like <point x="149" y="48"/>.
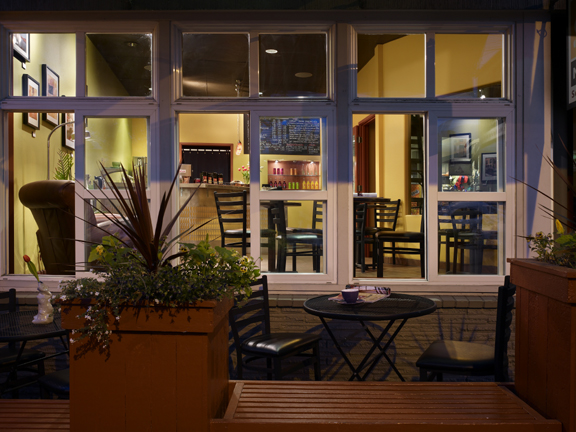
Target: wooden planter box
<point x="166" y="370"/>
<point x="546" y="338"/>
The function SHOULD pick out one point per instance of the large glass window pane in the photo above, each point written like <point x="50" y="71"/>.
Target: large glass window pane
<point x="215" y="65"/>
<point x="390" y="182"/>
<point x="118" y="64"/>
<point x="470" y="238"/>
<point x="472" y="155"/>
<point x="293" y="65"/>
<point x="469" y="65"/>
<point x="391" y="66"/>
<point x="114" y="142"/>
<point x="292" y="236"/>
<point x="291" y="153"/>
<point x="38" y="51"/>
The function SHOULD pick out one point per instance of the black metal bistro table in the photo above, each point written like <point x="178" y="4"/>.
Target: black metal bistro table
<point x="397" y="307"/>
<point x="18" y="327"/>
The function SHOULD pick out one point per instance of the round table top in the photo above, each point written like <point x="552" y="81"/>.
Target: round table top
<point x="397" y="306"/>
<point x="18" y="326"/>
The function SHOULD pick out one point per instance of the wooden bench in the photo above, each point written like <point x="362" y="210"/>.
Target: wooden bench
<point x="288" y="406"/>
<point x="34" y="415"/>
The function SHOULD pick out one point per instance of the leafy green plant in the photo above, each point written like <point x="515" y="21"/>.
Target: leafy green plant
<point x="63" y="169"/>
<point x="144" y="271"/>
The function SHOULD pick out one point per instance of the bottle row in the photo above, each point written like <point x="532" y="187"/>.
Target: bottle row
<point x="308" y="185"/>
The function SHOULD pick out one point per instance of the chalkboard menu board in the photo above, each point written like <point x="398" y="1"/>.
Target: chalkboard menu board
<point x="290" y="136"/>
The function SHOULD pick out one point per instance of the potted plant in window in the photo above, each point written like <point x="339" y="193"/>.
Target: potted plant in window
<point x="149" y="331"/>
<point x="545" y="375"/>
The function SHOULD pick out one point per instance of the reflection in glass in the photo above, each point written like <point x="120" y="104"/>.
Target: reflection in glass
<point x="58" y="52"/>
<point x="114" y="142"/>
<point x="472" y="155"/>
<point x="470" y="238"/>
<point x="293" y="65"/>
<point x="469" y="65"/>
<point x="300" y="236"/>
<point x="391" y="66"/>
<point x="215" y="65"/>
<point x="118" y="64"/>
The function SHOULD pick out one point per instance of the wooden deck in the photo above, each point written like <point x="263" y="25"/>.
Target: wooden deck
<point x="257" y="406"/>
<point x="34" y="415"/>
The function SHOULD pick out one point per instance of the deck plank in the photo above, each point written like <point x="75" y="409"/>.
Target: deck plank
<point x="261" y="406"/>
<point x="25" y="415"/>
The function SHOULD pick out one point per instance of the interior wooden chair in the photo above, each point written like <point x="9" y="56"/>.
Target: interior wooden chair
<point x="470" y="358"/>
<point x="359" y="236"/>
<point x="406" y="237"/>
<point x="250" y="325"/>
<point x="380" y="217"/>
<point x="232" y="209"/>
<point x="32" y="360"/>
<point x="467" y="235"/>
<point x="295" y="244"/>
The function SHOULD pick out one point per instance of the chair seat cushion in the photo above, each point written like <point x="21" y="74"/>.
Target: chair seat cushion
<point x="8" y="356"/>
<point x="57" y="382"/>
<point x="457" y="356"/>
<point x="409" y="236"/>
<point x="278" y="344"/>
<point x="303" y="238"/>
<point x="240" y="233"/>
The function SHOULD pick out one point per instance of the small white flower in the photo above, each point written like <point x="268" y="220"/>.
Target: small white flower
<point x="97" y="293"/>
<point x="63" y="298"/>
<point x="156" y="301"/>
<point x="88" y="317"/>
<point x="72" y="340"/>
<point x="118" y="318"/>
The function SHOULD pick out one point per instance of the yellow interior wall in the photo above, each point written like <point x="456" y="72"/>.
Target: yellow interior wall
<point x="100" y="80"/>
<point x="58" y="51"/>
<point x="466" y="61"/>
<point x="139" y="137"/>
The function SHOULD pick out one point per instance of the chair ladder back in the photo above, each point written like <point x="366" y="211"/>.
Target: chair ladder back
<point x="360" y="218"/>
<point x="232" y="209"/>
<point x="503" y="323"/>
<point x="467" y="219"/>
<point x="386" y="213"/>
<point x="317" y="215"/>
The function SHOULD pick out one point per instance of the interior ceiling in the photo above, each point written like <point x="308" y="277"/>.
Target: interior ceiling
<point x="213" y="63"/>
<point x="129" y="57"/>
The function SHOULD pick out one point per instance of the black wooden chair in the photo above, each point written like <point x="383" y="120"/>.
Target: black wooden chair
<point x="57" y="383"/>
<point x="31" y="360"/>
<point x="232" y="209"/>
<point x="406" y="237"/>
<point x="470" y="358"/>
<point x="295" y="244"/>
<point x="359" y="236"/>
<point x="250" y="325"/>
<point x="467" y="235"/>
<point x="380" y="217"/>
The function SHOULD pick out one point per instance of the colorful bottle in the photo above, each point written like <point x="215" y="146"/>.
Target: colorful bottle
<point x="284" y="185"/>
<point x="316" y="185"/>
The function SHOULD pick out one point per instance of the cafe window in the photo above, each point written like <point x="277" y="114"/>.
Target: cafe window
<point x="472" y="155"/>
<point x="119" y="64"/>
<point x="293" y="65"/>
<point x="113" y="143"/>
<point x="391" y="66"/>
<point x="469" y="65"/>
<point x="215" y="65"/>
<point x="44" y="64"/>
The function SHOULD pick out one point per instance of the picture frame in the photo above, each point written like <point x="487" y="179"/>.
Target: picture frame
<point x="21" y="46"/>
<point x="460" y="147"/>
<point x="68" y="135"/>
<point x="489" y="171"/>
<point x="30" y="87"/>
<point x="50" y="88"/>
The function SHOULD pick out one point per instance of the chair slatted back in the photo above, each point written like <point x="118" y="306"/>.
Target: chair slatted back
<point x="317" y="215"/>
<point x="232" y="210"/>
<point x="252" y="316"/>
<point x="10" y="304"/>
<point x="503" y="331"/>
<point x="386" y="214"/>
<point x="360" y="218"/>
<point x="467" y="219"/>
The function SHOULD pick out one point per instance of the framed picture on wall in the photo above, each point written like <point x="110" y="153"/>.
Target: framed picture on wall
<point x="30" y="87"/>
<point x="460" y="147"/>
<point x="68" y="135"/>
<point x="50" y="87"/>
<point x="489" y="170"/>
<point x="21" y="46"/>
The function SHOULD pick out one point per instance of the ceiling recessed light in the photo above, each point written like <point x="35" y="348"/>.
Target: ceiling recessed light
<point x="303" y="74"/>
<point x="271" y="51"/>
<point x="132" y="44"/>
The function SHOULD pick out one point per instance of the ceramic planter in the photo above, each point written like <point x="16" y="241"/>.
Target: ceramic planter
<point x="546" y="338"/>
<point x="166" y="369"/>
